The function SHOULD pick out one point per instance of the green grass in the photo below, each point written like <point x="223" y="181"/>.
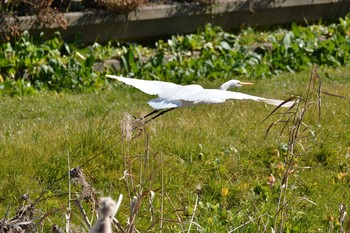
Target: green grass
<point x="204" y="150"/>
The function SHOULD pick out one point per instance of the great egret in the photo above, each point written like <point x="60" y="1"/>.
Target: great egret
<point x="171" y="95"/>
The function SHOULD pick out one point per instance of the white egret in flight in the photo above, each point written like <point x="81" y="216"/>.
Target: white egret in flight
<point x="171" y="95"/>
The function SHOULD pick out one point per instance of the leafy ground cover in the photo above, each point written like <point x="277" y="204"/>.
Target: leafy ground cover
<point x="30" y="64"/>
<point x="209" y="167"/>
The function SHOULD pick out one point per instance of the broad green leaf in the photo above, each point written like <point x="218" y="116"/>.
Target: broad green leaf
<point x="225" y="45"/>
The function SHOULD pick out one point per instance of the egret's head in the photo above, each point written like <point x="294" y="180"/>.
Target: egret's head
<point x="233" y="83"/>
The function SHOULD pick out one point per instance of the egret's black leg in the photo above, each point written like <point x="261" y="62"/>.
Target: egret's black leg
<point x="149" y="117"/>
<point x="152" y="113"/>
<point x="161" y="112"/>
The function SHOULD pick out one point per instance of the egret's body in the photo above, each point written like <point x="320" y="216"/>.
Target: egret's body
<point x="171" y="95"/>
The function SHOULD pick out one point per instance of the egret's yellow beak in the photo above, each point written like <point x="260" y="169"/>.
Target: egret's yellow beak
<point x="247" y="84"/>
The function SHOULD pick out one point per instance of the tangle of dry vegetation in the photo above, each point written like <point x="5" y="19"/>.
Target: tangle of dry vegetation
<point x="47" y="13"/>
<point x="50" y="12"/>
<point x="296" y="127"/>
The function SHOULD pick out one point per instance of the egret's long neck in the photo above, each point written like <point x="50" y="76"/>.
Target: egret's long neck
<point x="227" y="85"/>
<point x="223" y="87"/>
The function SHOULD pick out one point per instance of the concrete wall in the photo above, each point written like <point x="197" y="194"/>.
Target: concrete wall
<point x="159" y="21"/>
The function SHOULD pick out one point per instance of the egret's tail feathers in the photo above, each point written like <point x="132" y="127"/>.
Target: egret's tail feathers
<point x="281" y="103"/>
<point x="114" y="77"/>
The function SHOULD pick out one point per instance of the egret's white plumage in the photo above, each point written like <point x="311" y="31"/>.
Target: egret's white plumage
<point x="171" y="95"/>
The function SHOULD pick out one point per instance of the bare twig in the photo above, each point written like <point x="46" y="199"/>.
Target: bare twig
<point x="69" y="197"/>
<point x="246" y="223"/>
<point x="162" y="203"/>
<point x="194" y="212"/>
<point x="119" y="202"/>
<point x="342" y="215"/>
<point x="177" y="215"/>
<point x="83" y="213"/>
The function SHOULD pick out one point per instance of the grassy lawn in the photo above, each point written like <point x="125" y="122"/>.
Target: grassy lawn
<point x="216" y="153"/>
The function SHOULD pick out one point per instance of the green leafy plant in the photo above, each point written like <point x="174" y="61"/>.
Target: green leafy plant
<point x="210" y="54"/>
<point x="50" y="65"/>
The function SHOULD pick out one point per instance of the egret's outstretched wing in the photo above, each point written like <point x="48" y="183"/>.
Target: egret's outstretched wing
<point x="214" y="96"/>
<point x="150" y="87"/>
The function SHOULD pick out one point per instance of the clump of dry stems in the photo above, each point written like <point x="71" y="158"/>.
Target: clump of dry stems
<point x="140" y="175"/>
<point x="295" y="127"/>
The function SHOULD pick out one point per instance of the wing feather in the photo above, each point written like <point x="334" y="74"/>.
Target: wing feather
<point x="150" y="87"/>
<point x="214" y="96"/>
<point x="160" y="103"/>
